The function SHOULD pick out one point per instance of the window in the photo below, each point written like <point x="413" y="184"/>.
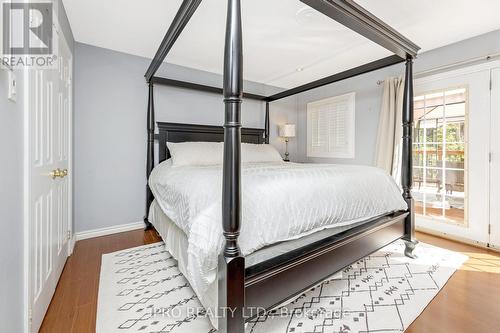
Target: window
<point x="330" y="127"/>
<point x="439" y="154"/>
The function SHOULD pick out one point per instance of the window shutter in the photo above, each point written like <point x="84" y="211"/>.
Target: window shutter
<point x="330" y="127"/>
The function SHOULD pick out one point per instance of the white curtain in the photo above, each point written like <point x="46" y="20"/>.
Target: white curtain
<point x="390" y="128"/>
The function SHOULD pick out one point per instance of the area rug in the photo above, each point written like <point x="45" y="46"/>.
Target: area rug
<point x="142" y="290"/>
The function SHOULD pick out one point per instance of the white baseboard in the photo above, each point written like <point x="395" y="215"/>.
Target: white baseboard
<point x="458" y="239"/>
<point x="109" y="230"/>
<point x="72" y="242"/>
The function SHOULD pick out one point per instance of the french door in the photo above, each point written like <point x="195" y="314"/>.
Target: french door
<point x="451" y="154"/>
<point x="48" y="180"/>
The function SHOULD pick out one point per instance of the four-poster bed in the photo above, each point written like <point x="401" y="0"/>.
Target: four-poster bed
<point x="269" y="282"/>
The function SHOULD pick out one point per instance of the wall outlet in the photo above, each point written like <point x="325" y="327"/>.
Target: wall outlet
<point x="12" y="86"/>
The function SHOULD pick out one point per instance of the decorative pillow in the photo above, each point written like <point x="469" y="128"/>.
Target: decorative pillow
<point x="195" y="153"/>
<point x="211" y="153"/>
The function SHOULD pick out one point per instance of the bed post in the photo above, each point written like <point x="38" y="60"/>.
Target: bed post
<point x="231" y="268"/>
<point x="266" y="132"/>
<point x="407" y="163"/>
<point x="150" y="152"/>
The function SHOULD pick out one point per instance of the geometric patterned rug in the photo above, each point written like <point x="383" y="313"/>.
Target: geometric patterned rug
<point x="142" y="290"/>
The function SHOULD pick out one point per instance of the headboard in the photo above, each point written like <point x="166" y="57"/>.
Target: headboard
<point x="174" y="132"/>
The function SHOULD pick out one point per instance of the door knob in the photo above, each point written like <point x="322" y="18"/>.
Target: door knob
<point x="55" y="173"/>
<point x="58" y="173"/>
<point x="64" y="172"/>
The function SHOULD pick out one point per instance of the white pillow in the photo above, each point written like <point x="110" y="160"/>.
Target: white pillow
<point x="195" y="153"/>
<point x="252" y="153"/>
<point x="211" y="153"/>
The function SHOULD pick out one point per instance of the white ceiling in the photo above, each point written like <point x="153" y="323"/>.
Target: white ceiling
<point x="285" y="42"/>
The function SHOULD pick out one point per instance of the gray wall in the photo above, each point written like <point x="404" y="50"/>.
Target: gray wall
<point x="368" y="102"/>
<point x="11" y="207"/>
<point x="11" y="196"/>
<point x="110" y="128"/>
<point x="369" y="94"/>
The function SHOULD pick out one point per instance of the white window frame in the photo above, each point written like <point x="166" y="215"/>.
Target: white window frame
<point x="350" y="126"/>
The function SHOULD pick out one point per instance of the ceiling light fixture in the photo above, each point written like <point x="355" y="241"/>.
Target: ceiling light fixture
<point x="306" y="15"/>
<point x="310" y="18"/>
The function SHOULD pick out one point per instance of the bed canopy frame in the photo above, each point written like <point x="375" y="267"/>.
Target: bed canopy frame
<point x="273" y="281"/>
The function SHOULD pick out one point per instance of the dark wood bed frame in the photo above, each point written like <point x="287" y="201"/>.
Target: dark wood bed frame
<point x="267" y="284"/>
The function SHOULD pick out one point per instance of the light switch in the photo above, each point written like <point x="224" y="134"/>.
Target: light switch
<point x="12" y="86"/>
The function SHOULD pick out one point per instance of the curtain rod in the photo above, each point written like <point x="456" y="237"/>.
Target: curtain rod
<point x="459" y="64"/>
<point x="455" y="65"/>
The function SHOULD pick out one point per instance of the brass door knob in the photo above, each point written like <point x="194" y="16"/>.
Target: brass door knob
<point x="58" y="173"/>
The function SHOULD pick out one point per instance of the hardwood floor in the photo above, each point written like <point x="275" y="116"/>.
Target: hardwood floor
<point x="469" y="302"/>
<point x="73" y="307"/>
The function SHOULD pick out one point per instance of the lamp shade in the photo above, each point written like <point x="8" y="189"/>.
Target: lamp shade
<point x="287" y="130"/>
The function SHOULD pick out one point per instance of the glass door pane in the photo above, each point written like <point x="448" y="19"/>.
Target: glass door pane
<point x="439" y="154"/>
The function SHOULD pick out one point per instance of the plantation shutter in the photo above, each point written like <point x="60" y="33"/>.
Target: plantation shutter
<point x="330" y="127"/>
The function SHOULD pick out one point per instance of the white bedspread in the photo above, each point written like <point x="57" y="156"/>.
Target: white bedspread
<point x="280" y="201"/>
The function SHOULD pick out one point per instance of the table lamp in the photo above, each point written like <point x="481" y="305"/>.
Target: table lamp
<point x="287" y="131"/>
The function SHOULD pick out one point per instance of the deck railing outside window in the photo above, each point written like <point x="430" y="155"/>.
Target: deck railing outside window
<point x="440" y="154"/>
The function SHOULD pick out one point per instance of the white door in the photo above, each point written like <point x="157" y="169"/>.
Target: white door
<point x="451" y="154"/>
<point x="48" y="184"/>
<point x="495" y="159"/>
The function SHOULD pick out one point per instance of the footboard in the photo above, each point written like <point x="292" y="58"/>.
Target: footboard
<point x="283" y="280"/>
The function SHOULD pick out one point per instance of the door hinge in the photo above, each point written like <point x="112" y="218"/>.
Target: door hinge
<point x="489" y="157"/>
<point x="489" y="229"/>
<point x="68" y="235"/>
<point x="30" y="315"/>
<point x="491" y="83"/>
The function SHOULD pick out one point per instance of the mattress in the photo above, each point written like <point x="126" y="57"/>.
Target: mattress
<point x="177" y="243"/>
<point x="280" y="202"/>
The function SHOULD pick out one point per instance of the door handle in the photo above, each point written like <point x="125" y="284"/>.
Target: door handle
<point x="58" y="173"/>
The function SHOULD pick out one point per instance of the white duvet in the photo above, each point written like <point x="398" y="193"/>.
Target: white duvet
<point x="280" y="201"/>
